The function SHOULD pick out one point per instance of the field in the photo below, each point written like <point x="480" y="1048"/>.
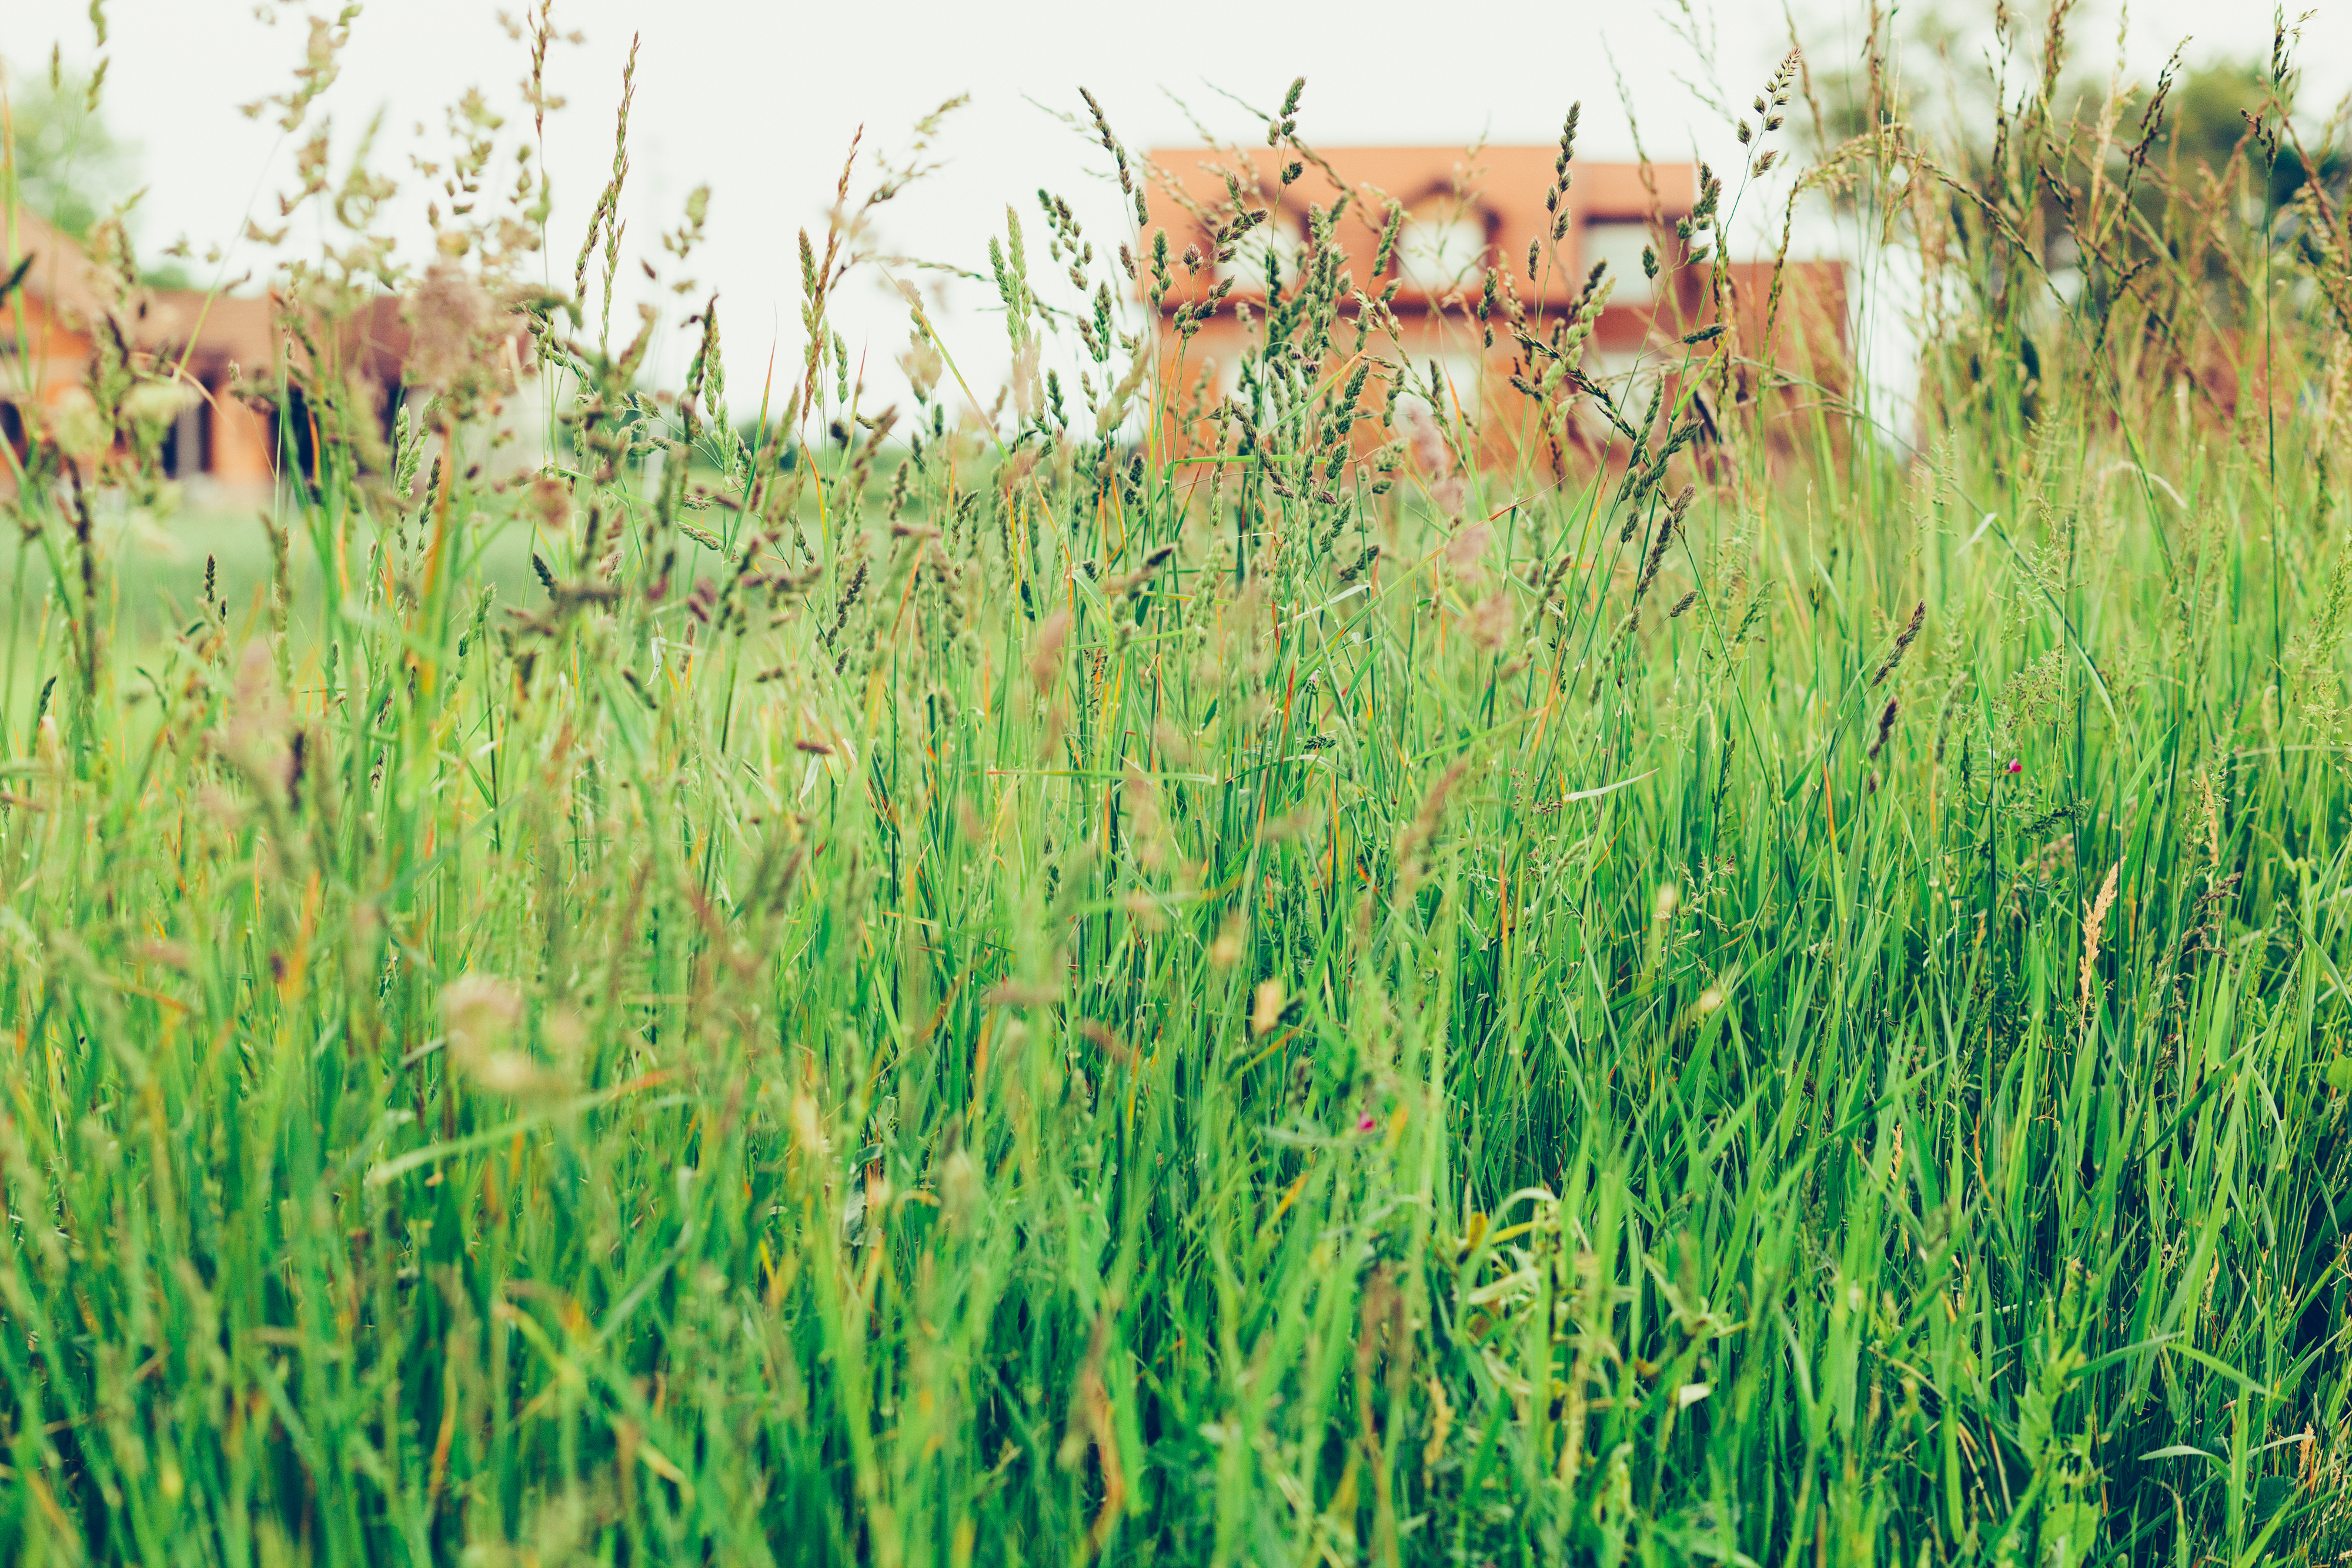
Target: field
<point x="1109" y="987"/>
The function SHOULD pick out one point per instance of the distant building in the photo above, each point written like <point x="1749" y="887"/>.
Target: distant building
<point x="49" y="331"/>
<point x="1466" y="213"/>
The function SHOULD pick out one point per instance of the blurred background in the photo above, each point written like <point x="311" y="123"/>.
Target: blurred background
<point x="759" y="102"/>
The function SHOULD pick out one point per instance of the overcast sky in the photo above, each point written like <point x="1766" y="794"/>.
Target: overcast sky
<point x="759" y="100"/>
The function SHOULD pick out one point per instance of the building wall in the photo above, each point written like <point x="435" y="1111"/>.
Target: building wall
<point x="1465" y="216"/>
<point x="1496" y="201"/>
<point x="42" y="358"/>
<point x="242" y="446"/>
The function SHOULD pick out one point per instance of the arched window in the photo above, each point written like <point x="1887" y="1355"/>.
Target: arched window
<point x="1459" y="388"/>
<point x="1619" y="242"/>
<point x="1283" y="237"/>
<point x="1442" y="245"/>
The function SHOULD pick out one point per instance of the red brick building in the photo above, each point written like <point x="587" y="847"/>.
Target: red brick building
<point x="208" y="344"/>
<point x="1466" y="214"/>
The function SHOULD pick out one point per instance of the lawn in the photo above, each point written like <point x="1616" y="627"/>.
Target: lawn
<point x="1756" y="992"/>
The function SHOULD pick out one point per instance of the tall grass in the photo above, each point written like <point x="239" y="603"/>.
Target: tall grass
<point x="1015" y="994"/>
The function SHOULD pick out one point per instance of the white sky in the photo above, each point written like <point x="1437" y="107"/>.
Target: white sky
<point x="759" y="100"/>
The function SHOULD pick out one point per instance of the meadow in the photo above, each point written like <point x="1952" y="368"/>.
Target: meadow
<point x="1229" y="982"/>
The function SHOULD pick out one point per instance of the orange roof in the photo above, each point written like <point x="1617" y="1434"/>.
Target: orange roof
<point x="214" y="329"/>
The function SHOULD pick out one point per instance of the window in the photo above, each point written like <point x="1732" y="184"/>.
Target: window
<point x="1278" y="237"/>
<point x="1441" y="251"/>
<point x="1610" y="366"/>
<point x="1620" y="242"/>
<point x="1461" y="383"/>
<point x="183" y="450"/>
<point x="1628" y="375"/>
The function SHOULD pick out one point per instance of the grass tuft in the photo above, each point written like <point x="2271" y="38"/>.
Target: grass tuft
<point x="1168" y="974"/>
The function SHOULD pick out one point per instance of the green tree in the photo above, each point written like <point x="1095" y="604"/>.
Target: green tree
<point x="2210" y="108"/>
<point x="62" y="160"/>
